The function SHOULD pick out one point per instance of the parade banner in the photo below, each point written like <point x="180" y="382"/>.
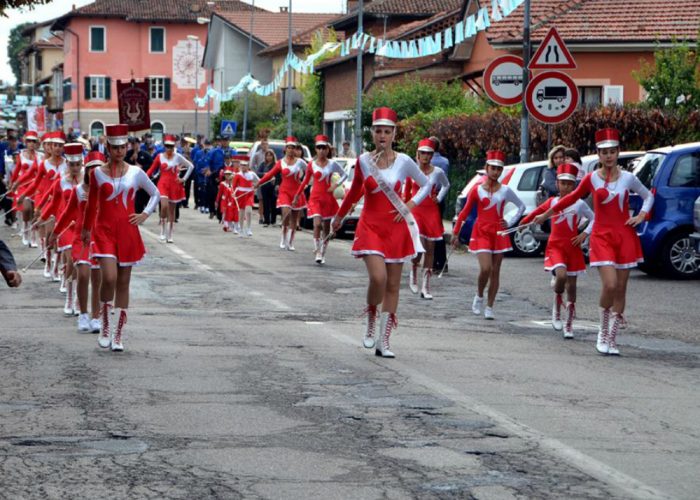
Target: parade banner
<point x="133" y="98"/>
<point x="37" y="119"/>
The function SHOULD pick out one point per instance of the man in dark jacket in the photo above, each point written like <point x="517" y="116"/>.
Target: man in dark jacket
<point x="8" y="268"/>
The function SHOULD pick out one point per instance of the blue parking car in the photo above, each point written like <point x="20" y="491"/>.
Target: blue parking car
<point x="672" y="174"/>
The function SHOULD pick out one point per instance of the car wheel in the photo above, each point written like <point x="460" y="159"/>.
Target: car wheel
<point x="525" y="244"/>
<point x="679" y="259"/>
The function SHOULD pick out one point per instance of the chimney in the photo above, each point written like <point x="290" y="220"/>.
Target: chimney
<point x="284" y="9"/>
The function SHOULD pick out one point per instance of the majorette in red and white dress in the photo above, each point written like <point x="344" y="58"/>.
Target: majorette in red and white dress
<point x="560" y="251"/>
<point x="73" y="212"/>
<point x="322" y="203"/>
<point x="377" y="233"/>
<point x="427" y="213"/>
<point x="169" y="184"/>
<point x="292" y="176"/>
<point x="110" y="203"/>
<point x="243" y="190"/>
<point x="224" y="198"/>
<point x="25" y="168"/>
<point x="612" y="243"/>
<point x="60" y="193"/>
<point x="485" y="237"/>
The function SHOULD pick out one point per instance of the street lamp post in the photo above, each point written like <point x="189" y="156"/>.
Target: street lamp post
<point x="289" y="73"/>
<point x="195" y="39"/>
<point x="525" y="117"/>
<point x="250" y="60"/>
<point x="360" y="85"/>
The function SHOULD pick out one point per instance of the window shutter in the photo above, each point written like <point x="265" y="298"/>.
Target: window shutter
<point x="108" y="88"/>
<point x="86" y="92"/>
<point x="166" y="89"/>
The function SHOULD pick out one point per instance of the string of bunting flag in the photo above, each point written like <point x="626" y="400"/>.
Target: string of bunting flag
<point x="405" y="49"/>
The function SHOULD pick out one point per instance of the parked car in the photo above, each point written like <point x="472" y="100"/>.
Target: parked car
<point x="240" y="147"/>
<point x="695" y="237"/>
<point x="672" y="174"/>
<point x="278" y="147"/>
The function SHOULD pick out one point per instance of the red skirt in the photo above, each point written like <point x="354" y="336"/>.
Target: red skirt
<point x="170" y="188"/>
<point x="247" y="199"/>
<point x="118" y="239"/>
<point x="429" y="220"/>
<point x="378" y="234"/>
<point x="485" y="239"/>
<point x="81" y="254"/>
<point x="65" y="241"/>
<point x="286" y="196"/>
<point x="562" y="253"/>
<point x="230" y="212"/>
<point x="322" y="205"/>
<point x="617" y="246"/>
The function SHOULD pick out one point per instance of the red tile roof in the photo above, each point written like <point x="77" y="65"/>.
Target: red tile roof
<point x="590" y="21"/>
<point x="271" y="27"/>
<point x="302" y="39"/>
<point x="411" y="6"/>
<point x="154" y="10"/>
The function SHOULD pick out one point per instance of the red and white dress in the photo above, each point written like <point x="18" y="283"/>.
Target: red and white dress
<point x="560" y="251"/>
<point x="291" y="180"/>
<point x="427" y="213"/>
<point x="169" y="184"/>
<point x="321" y="202"/>
<point x="110" y="203"/>
<point x="377" y="233"/>
<point x="243" y="188"/>
<point x="74" y="212"/>
<point x="60" y="193"/>
<point x="612" y="243"/>
<point x="489" y="214"/>
<point x="24" y="171"/>
<point x="227" y="205"/>
<point x="46" y="175"/>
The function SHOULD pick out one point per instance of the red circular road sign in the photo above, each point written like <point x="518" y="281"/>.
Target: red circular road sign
<point x="551" y="97"/>
<point x="503" y="80"/>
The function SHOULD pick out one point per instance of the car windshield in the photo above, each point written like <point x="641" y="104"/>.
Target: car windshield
<point x="648" y="167"/>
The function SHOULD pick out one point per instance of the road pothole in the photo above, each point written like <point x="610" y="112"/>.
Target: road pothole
<point x="82" y="445"/>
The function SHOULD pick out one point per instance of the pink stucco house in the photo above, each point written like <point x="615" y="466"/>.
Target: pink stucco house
<point x="111" y="40"/>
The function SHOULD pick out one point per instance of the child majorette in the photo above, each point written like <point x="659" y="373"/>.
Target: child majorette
<point x="170" y="185"/>
<point x="386" y="234"/>
<point x="244" y="183"/>
<point x="292" y="169"/>
<point x="110" y="227"/>
<point x="427" y="215"/>
<point x="322" y="204"/>
<point x="486" y="241"/>
<point x="87" y="270"/>
<point x="225" y="203"/>
<point x="614" y="244"/>
<point x="563" y="255"/>
<point x="27" y="160"/>
<point x="52" y="167"/>
<point x="60" y="193"/>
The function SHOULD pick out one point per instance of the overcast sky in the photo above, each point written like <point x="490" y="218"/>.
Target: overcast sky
<point x="59" y="7"/>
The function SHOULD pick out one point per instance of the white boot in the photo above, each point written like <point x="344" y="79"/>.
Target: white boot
<point x="25" y="233"/>
<point x="162" y="230"/>
<point x="612" y="335"/>
<point x="55" y="273"/>
<point x="283" y="240"/>
<point x="68" y="307"/>
<point x="324" y="247"/>
<point x="104" y="339"/>
<point x="47" y="264"/>
<point x="477" y="305"/>
<point x="83" y="323"/>
<point x="387" y="324"/>
<point x="556" y="313"/>
<point x="602" y="345"/>
<point x="413" y="278"/>
<point x="76" y="307"/>
<point x="64" y="287"/>
<point x="317" y="250"/>
<point x="170" y="233"/>
<point x="570" y="316"/>
<point x="290" y="243"/>
<point x="425" y="289"/>
<point x="370" y="338"/>
<point x="118" y="332"/>
<point x="33" y="243"/>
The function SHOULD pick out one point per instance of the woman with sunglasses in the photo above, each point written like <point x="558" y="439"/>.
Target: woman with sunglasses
<point x="386" y="234"/>
<point x="292" y="169"/>
<point x="170" y="185"/>
<point x="322" y="204"/>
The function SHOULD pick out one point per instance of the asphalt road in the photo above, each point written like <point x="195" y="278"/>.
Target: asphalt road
<point x="244" y="377"/>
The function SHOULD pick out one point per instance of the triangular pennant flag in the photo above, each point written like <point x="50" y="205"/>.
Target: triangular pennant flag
<point x="448" y="38"/>
<point x="459" y="32"/>
<point x="372" y="45"/>
<point x="470" y="28"/>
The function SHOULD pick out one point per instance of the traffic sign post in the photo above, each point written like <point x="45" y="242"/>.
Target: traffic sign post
<point x="503" y="80"/>
<point x="551" y="97"/>
<point x="228" y="128"/>
<point x="552" y="53"/>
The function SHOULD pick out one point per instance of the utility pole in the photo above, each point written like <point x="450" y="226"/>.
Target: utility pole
<point x="525" y="118"/>
<point x="289" y="74"/>
<point x="250" y="60"/>
<point x="360" y="84"/>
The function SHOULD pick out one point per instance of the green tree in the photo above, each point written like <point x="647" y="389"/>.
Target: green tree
<point x="673" y="81"/>
<point x="16" y="44"/>
<point x="262" y="113"/>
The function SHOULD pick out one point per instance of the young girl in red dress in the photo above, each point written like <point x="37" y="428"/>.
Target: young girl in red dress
<point x="486" y="242"/>
<point x="614" y="244"/>
<point x="87" y="269"/>
<point x="110" y="227"/>
<point x="27" y="161"/>
<point x="427" y="215"/>
<point x="225" y="202"/>
<point x="322" y="204"/>
<point x="244" y="184"/>
<point x="170" y="185"/>
<point x="292" y="169"/>
<point x="386" y="234"/>
<point x="563" y="255"/>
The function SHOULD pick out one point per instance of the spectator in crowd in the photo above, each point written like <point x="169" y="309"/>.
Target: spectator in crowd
<point x="8" y="268"/>
<point x="8" y="148"/>
<point x="440" y="252"/>
<point x="101" y="145"/>
<point x="136" y="156"/>
<point x="202" y="168"/>
<point x="256" y="162"/>
<point x="438" y="160"/>
<point x="186" y="149"/>
<point x="267" y="198"/>
<point x="549" y="177"/>
<point x="347" y="150"/>
<point x="216" y="163"/>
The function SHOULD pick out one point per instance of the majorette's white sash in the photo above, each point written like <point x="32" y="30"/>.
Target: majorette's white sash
<point x="398" y="204"/>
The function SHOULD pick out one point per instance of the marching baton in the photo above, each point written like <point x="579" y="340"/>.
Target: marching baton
<point x="24" y="269"/>
<point x="447" y="258"/>
<point x="523" y="226"/>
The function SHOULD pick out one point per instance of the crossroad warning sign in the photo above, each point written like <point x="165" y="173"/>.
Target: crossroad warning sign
<point x="552" y="53"/>
<point x="228" y="128"/>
